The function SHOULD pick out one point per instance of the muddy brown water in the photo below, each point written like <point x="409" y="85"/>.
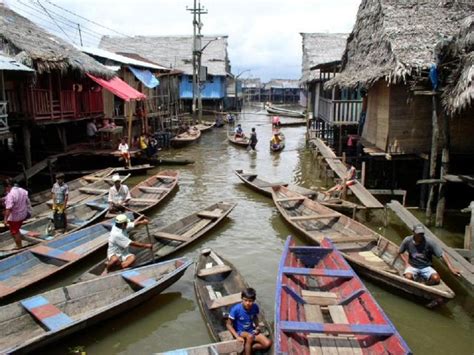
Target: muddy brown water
<point x="252" y="239"/>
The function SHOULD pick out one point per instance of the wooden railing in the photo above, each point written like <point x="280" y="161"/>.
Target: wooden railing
<point x="90" y="103"/>
<point x="340" y="111"/>
<point x="3" y="117"/>
<point x="41" y="105"/>
<point x="67" y="99"/>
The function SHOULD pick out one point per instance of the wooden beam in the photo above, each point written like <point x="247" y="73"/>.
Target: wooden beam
<point x="315" y="216"/>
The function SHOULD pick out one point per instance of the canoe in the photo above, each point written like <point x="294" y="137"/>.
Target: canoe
<point x="84" y="181"/>
<point x="171" y="238"/>
<point x="150" y="192"/>
<point x="180" y="140"/>
<point x="218" y="287"/>
<point x="89" y="189"/>
<point x="40" y="229"/>
<point x="293" y="122"/>
<point x="368" y="252"/>
<point x="36" y="321"/>
<point x="280" y="147"/>
<point x="241" y="142"/>
<point x="322" y="307"/>
<point x="205" y="126"/>
<point x="283" y="112"/>
<point x="224" y="347"/>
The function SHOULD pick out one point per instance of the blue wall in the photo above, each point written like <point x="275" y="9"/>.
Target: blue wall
<point x="209" y="90"/>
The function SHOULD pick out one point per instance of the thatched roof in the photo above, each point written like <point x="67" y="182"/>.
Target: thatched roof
<point x="458" y="58"/>
<point x="38" y="49"/>
<point x="319" y="48"/>
<point x="174" y="51"/>
<point x="394" y="39"/>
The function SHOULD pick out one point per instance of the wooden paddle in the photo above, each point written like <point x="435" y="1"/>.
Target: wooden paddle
<point x="147" y="231"/>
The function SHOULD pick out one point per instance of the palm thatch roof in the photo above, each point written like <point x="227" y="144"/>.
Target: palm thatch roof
<point x="174" y="51"/>
<point x="319" y="48"/>
<point x="458" y="60"/>
<point x="33" y="46"/>
<point x="395" y="39"/>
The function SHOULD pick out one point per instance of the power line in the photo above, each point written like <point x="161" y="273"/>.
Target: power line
<point x="57" y="24"/>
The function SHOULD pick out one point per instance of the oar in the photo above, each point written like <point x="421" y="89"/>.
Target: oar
<point x="147" y="231"/>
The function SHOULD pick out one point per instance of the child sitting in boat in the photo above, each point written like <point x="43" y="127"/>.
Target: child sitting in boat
<point x="243" y="323"/>
<point x="239" y="132"/>
<point x="276" y="140"/>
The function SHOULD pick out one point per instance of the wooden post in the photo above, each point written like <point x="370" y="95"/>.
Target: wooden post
<point x="344" y="157"/>
<point x="362" y="174"/>
<point x="50" y="83"/>
<point x="129" y="126"/>
<point x="340" y="139"/>
<point x="424" y="187"/>
<point x="468" y="244"/>
<point x="444" y="170"/>
<point x="433" y="159"/>
<point x="27" y="144"/>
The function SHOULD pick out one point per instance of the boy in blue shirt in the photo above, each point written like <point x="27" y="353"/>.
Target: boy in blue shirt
<point x="243" y="323"/>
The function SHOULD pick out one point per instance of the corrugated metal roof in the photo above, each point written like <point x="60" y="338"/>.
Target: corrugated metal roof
<point x="7" y="63"/>
<point x="282" y="84"/>
<point x="175" y="51"/>
<point x="319" y="48"/>
<point x="120" y="58"/>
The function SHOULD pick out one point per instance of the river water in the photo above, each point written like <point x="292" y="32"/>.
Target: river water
<point x="252" y="239"/>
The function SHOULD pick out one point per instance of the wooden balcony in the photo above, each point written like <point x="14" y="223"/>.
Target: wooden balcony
<point x="340" y="112"/>
<point x="3" y="117"/>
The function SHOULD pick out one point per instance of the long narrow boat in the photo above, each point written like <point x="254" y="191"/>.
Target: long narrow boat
<point x="42" y="229"/>
<point x="280" y="146"/>
<point x="205" y="126"/>
<point x="265" y="188"/>
<point x="171" y="238"/>
<point x="28" y="267"/>
<point x="369" y="253"/>
<point x="322" y="307"/>
<point x="273" y="110"/>
<point x="218" y="286"/>
<point x="150" y="192"/>
<point x="224" y="347"/>
<point x="191" y="136"/>
<point x="293" y="122"/>
<point x="36" y="321"/>
<point x="241" y="142"/>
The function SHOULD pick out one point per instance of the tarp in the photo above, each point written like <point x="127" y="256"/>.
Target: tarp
<point x="119" y="88"/>
<point x="146" y="77"/>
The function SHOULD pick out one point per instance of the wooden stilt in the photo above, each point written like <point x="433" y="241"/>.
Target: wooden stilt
<point x="362" y="177"/>
<point x="444" y="170"/>
<point x="424" y="187"/>
<point x="433" y="159"/>
<point x="27" y="144"/>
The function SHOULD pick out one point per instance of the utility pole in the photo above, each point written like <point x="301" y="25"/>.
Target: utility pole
<point x="80" y="33"/>
<point x="197" y="52"/>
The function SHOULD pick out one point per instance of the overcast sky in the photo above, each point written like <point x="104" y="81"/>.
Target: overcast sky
<point x="263" y="34"/>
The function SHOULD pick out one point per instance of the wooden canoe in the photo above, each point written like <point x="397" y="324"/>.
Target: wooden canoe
<point x="280" y="147"/>
<point x="150" y="192"/>
<point x="293" y="122"/>
<point x="322" y="307"/>
<point x="369" y="253"/>
<point x="191" y="136"/>
<point x="273" y="110"/>
<point x="162" y="161"/>
<point x="241" y="142"/>
<point x="218" y="287"/>
<point x="205" y="126"/>
<point x="36" y="321"/>
<point x="224" y="347"/>
<point x="39" y="230"/>
<point x="265" y="188"/>
<point x="171" y="238"/>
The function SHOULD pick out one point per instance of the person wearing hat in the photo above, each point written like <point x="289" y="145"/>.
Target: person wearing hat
<point x="118" y="253"/>
<point x="119" y="195"/>
<point x="17" y="209"/>
<point x="420" y="252"/>
<point x="60" y="193"/>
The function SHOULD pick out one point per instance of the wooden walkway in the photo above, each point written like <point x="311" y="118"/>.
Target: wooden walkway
<point x="466" y="268"/>
<point x="364" y="196"/>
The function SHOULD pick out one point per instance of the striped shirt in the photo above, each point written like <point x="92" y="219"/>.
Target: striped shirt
<point x="17" y="202"/>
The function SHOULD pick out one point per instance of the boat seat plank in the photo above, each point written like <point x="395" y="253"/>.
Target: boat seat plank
<point x="337" y="314"/>
<point x="313" y="313"/>
<point x="196" y="228"/>
<point x="92" y="190"/>
<point x="216" y="258"/>
<point x="219" y="269"/>
<point x="170" y="236"/>
<point x="319" y="298"/>
<point x="274" y="184"/>
<point x="225" y="301"/>
<point x="138" y="279"/>
<point x="59" y="254"/>
<point x="318" y="272"/>
<point x="164" y="177"/>
<point x="289" y="199"/>
<point x="147" y="201"/>
<point x="336" y="328"/>
<point x="348" y="239"/>
<point x="209" y="214"/>
<point x="315" y="216"/>
<point x="153" y="189"/>
<point x="46" y="313"/>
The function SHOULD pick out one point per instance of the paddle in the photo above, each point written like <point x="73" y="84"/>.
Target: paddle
<point x="147" y="231"/>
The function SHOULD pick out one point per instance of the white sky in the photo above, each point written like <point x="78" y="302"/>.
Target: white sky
<point x="263" y="34"/>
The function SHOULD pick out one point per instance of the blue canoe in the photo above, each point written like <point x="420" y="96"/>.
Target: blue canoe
<point x="47" y="317"/>
<point x="322" y="305"/>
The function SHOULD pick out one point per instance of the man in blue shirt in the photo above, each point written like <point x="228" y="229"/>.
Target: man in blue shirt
<point x="243" y="323"/>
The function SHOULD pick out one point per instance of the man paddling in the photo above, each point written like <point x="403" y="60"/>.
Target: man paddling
<point x="118" y="254"/>
<point x="420" y="252"/>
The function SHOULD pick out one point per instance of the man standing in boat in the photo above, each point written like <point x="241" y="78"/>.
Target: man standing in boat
<point x="119" y="195"/>
<point x="420" y="252"/>
<point x="17" y="209"/>
<point x="60" y="193"/>
<point x="118" y="254"/>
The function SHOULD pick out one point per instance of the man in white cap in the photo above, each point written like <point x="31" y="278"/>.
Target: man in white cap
<point x="118" y="254"/>
<point x="119" y="195"/>
<point x="420" y="252"/>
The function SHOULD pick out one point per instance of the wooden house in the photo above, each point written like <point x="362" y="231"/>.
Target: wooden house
<point x="282" y="91"/>
<point x="176" y="52"/>
<point x="252" y="89"/>
<point x="45" y="111"/>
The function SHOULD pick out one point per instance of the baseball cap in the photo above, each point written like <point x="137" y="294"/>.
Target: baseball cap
<point x="115" y="178"/>
<point x="121" y="218"/>
<point x="419" y="229"/>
